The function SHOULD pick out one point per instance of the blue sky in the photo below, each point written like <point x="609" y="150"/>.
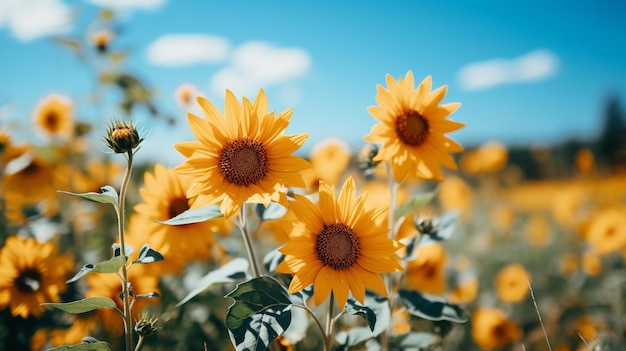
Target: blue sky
<point x="525" y="72"/>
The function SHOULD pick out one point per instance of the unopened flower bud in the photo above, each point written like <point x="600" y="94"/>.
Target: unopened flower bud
<point x="146" y="325"/>
<point x="122" y="137"/>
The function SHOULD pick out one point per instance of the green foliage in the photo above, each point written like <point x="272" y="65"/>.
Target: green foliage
<point x="417" y="202"/>
<point x="107" y="195"/>
<point x="85" y="305"/>
<point x="430" y="308"/>
<point x="261" y="312"/>
<point x="195" y="216"/>
<point x="109" y="266"/>
<point x="148" y="255"/>
<point x="228" y="273"/>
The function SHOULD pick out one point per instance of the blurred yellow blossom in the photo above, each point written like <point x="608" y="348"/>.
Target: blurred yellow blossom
<point x="512" y="283"/>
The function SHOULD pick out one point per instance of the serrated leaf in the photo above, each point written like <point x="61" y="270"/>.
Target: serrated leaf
<point x="229" y="273"/>
<point x="430" y="307"/>
<point x="108" y="266"/>
<point x="353" y="307"/>
<point x="107" y="195"/>
<point x="195" y="216"/>
<point x="148" y="255"/>
<point x="85" y="305"/>
<point x="272" y="211"/>
<point x="272" y="259"/>
<point x="415" y="203"/>
<point x="261" y="312"/>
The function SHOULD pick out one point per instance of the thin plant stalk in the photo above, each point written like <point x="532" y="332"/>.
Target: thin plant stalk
<point x="247" y="240"/>
<point x="139" y="343"/>
<point x="328" y="334"/>
<point x="120" y="211"/>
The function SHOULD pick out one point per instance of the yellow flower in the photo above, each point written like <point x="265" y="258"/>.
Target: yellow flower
<point x="465" y="293"/>
<point x="30" y="274"/>
<point x="338" y="246"/>
<point x="101" y="39"/>
<point x="538" y="231"/>
<point x="53" y="117"/>
<point x="412" y="128"/>
<point x="455" y="194"/>
<point x="607" y="231"/>
<point x="185" y="95"/>
<point x="426" y="272"/>
<point x="512" y="283"/>
<point x="492" y="330"/>
<point x="109" y="285"/>
<point x="329" y="160"/>
<point x="488" y="158"/>
<point x="585" y="162"/>
<point x="243" y="156"/>
<point x="164" y="198"/>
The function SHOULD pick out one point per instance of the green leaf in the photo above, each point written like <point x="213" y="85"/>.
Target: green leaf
<point x="148" y="255"/>
<point x="376" y="314"/>
<point x="107" y="195"/>
<point x="412" y="205"/>
<point x="84" y="305"/>
<point x="229" y="273"/>
<point x="195" y="216"/>
<point x="354" y="308"/>
<point x="88" y="344"/>
<point x="430" y="307"/>
<point x="261" y="312"/>
<point x="109" y="266"/>
<point x="413" y="341"/>
<point x="272" y="259"/>
<point x="272" y="211"/>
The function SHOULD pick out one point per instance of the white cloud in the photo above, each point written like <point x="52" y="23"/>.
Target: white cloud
<point x="256" y="65"/>
<point x="187" y="49"/>
<point x="534" y="66"/>
<point x="127" y="5"/>
<point x="31" y="19"/>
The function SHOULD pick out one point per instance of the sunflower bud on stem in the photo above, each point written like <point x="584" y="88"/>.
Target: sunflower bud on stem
<point x="122" y="137"/>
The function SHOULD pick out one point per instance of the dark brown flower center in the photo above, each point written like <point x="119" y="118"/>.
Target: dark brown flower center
<point x="338" y="246"/>
<point x="28" y="281"/>
<point x="411" y="128"/>
<point x="244" y="161"/>
<point x="51" y="121"/>
<point x="177" y="206"/>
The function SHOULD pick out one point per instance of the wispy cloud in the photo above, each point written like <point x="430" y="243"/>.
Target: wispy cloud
<point x="257" y="64"/>
<point x="534" y="66"/>
<point x="31" y="19"/>
<point x="128" y="5"/>
<point x="187" y="49"/>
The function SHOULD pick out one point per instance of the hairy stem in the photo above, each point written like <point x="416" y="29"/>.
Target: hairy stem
<point x="247" y="240"/>
<point x="128" y="321"/>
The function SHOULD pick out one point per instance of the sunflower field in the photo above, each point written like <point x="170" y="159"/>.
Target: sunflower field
<point x="408" y="241"/>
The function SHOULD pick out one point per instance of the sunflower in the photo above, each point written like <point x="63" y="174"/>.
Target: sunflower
<point x="412" y="127"/>
<point x="242" y="156"/>
<point x="426" y="272"/>
<point x="512" y="283"/>
<point x="185" y="95"/>
<point x="164" y="198"/>
<point x="338" y="246"/>
<point x="607" y="231"/>
<point x="53" y="117"/>
<point x="329" y="160"/>
<point x="30" y="274"/>
<point x="492" y="330"/>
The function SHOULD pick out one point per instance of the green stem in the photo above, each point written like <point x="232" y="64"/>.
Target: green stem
<point x="312" y="314"/>
<point x="328" y="334"/>
<point x="139" y="343"/>
<point x="247" y="240"/>
<point x="128" y="321"/>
